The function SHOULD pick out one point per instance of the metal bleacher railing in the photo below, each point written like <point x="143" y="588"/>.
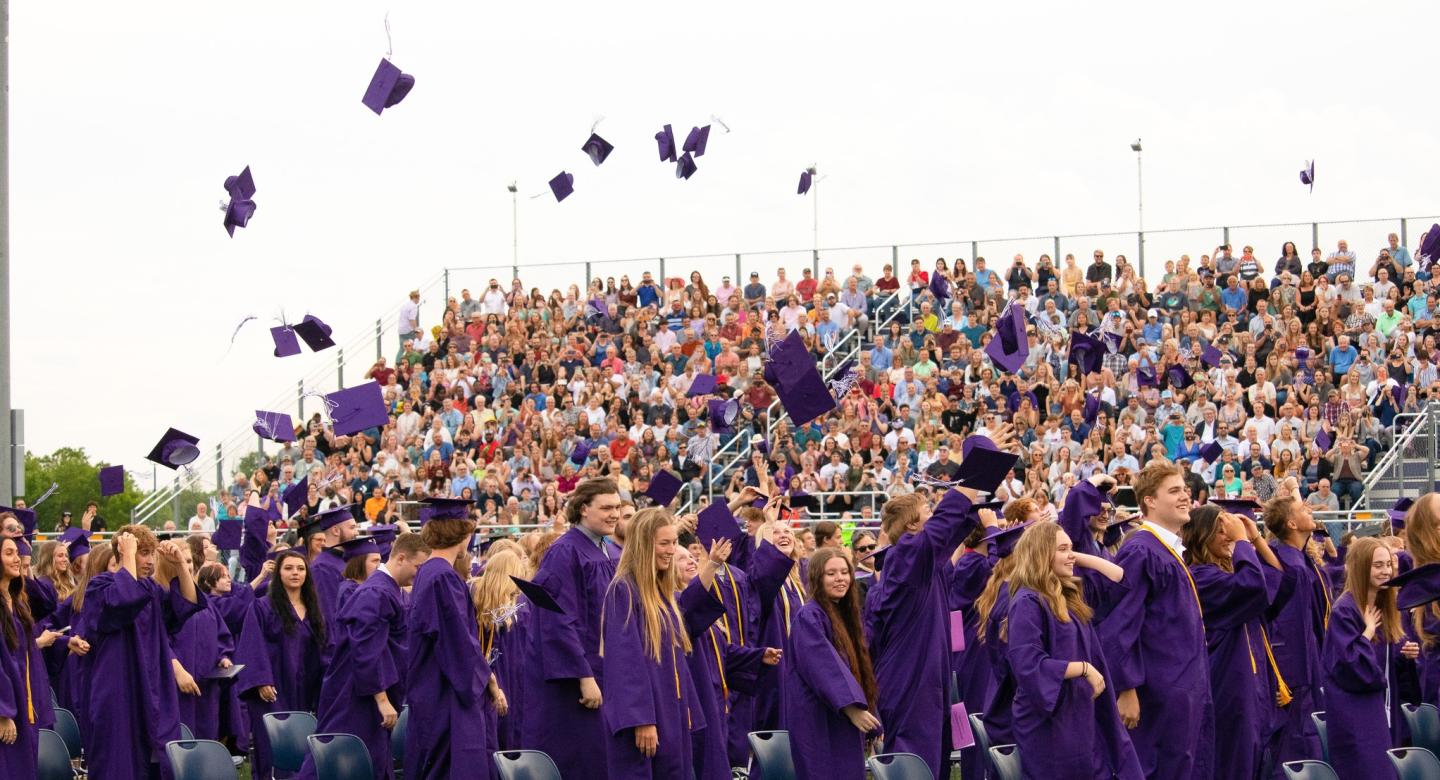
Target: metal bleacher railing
<point x="1365" y="236"/>
<point x="1407" y="466"/>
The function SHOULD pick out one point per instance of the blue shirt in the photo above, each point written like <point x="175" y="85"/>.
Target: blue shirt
<point x="1342" y="359"/>
<point x="647" y="295"/>
<point x="881" y="358"/>
<point x="1233" y="298"/>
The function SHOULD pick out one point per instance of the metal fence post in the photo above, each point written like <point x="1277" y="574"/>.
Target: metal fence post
<point x="219" y="469"/>
<point x="1140" y="251"/>
<point x="300" y="399"/>
<point x="1315" y="235"/>
<point x="1225" y="236"/>
<point x="587" y="277"/>
<point x="738" y="279"/>
<point x="1404" y="232"/>
<point x="974" y="252"/>
<point x="379" y="333"/>
<point x="447" y="286"/>
<point x="340" y="368"/>
<point x="662" y="273"/>
<point x="895" y="258"/>
<point x="815" y="263"/>
<point x="1056" y="258"/>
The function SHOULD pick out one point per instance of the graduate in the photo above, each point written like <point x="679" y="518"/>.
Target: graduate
<point x="1422" y="537"/>
<point x="1085" y="518"/>
<point x="202" y="645"/>
<point x="364" y="686"/>
<point x="1066" y="723"/>
<point x="327" y="566"/>
<point x="19" y="734"/>
<point x="975" y="561"/>
<point x="446" y="674"/>
<point x="1357" y="660"/>
<point x="650" y="706"/>
<point x="563" y="689"/>
<point x="1239" y="579"/>
<point x="230" y="606"/>
<point x="758" y="583"/>
<point x="505" y="616"/>
<point x="830" y="689"/>
<point x="362" y="557"/>
<point x="129" y="616"/>
<point x="778" y="575"/>
<point x="62" y="659"/>
<point x="280" y="646"/>
<point x="1154" y="637"/>
<point x="1297" y="626"/>
<point x="101" y="559"/>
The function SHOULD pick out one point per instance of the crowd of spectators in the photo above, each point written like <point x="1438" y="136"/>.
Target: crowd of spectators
<point x="500" y="397"/>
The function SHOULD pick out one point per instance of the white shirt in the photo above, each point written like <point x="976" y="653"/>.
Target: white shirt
<point x="1171" y="540"/>
<point x="492" y="302"/>
<point x="409" y="317"/>
<point x="207" y="523"/>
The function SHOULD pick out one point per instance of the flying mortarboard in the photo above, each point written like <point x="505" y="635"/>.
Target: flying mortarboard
<point x="1092" y="409"/>
<point x="1086" y="352"/>
<point x="537" y="595"/>
<point x="703" y="384"/>
<point x="1211" y="356"/>
<point x="581" y="452"/>
<point x="1418" y="587"/>
<point x="297" y="495"/>
<point x="1144" y="378"/>
<point x="805" y="178"/>
<point x="802" y="500"/>
<point x="112" y="480"/>
<point x="1429" y="245"/>
<point x="358" y="547"/>
<point x="597" y="148"/>
<point x="696" y="140"/>
<point x="175" y="449"/>
<point x="387" y="87"/>
<point x="241" y="206"/>
<point x="445" y="509"/>
<point x="324" y="521"/>
<point x="802" y="390"/>
<point x="1178" y="377"/>
<point x="665" y="139"/>
<point x="275" y="426"/>
<point x="723" y="414"/>
<point x="315" y="333"/>
<point x="1009" y="348"/>
<point x="716" y="521"/>
<point x="664" y="486"/>
<point x="685" y="166"/>
<point x="984" y="469"/>
<point x="1324" y="440"/>
<point x="1212" y="451"/>
<point x="562" y="185"/>
<point x="356" y="408"/>
<point x="286" y="342"/>
<point x="227" y="534"/>
<point x="1238" y="506"/>
<point x="1307" y="174"/>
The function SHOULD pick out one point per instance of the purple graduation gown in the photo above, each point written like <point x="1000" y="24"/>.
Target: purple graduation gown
<point x="1359" y="680"/>
<point x="999" y="722"/>
<point x="818" y="686"/>
<point x="566" y="648"/>
<point x="445" y="678"/>
<point x="717" y="667"/>
<point x="199" y="645"/>
<point x="287" y="660"/>
<point x="347" y="589"/>
<point x="62" y="667"/>
<point x="640" y="691"/>
<point x="17" y="702"/>
<point x="777" y="580"/>
<point x="910" y="639"/>
<point x="132" y="705"/>
<point x="740" y="626"/>
<point x="510" y="648"/>
<point x="233" y="607"/>
<point x="1064" y="732"/>
<point x="368" y="656"/>
<point x="327" y="571"/>
<point x="1297" y="628"/>
<point x="1154" y="641"/>
<point x="766" y="571"/>
<point x="971" y="665"/>
<point x="1242" y="685"/>
<point x="43" y="605"/>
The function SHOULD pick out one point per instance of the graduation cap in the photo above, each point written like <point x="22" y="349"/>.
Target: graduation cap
<point x="802" y="390"/>
<point x="1418" y="587"/>
<point x="228" y="673"/>
<point x="356" y="408"/>
<point x="275" y="426"/>
<point x="1115" y="531"/>
<point x="1086" y="352"/>
<point x="1145" y="378"/>
<point x="984" y="469"/>
<point x="940" y="287"/>
<point x="1324" y="440"/>
<point x="696" y="140"/>
<point x="1302" y="355"/>
<point x="805" y="178"/>
<point x="445" y="509"/>
<point x="716" y="522"/>
<point x="324" y="521"/>
<point x="1397" y="513"/>
<point x="175" y="449"/>
<point x="665" y="139"/>
<point x="971" y="442"/>
<point x="597" y="148"/>
<point x="23" y="547"/>
<point x="359" y="547"/>
<point x="1178" y="377"/>
<point x="562" y="185"/>
<point x="1212" y="451"/>
<point x="241" y="206"/>
<point x="1009" y="348"/>
<point x="387" y="87"/>
<point x="703" y="384"/>
<point x="112" y="480"/>
<point x="878" y="556"/>
<point x="1238" y="506"/>
<point x="685" y="166"/>
<point x="1307" y="174"/>
<point x="1211" y="356"/>
<point x="803" y="500"/>
<point x="315" y="333"/>
<point x="1429" y="250"/>
<point x="25" y="516"/>
<point x="1005" y="541"/>
<point x="297" y="495"/>
<point x="286" y="342"/>
<point x="994" y="506"/>
<point x="1092" y="409"/>
<point x="723" y="414"/>
<point x="383" y="533"/>
<point x="537" y="594"/>
<point x="580" y="453"/>
<point x="664" y="486"/>
<point x="227" y="534"/>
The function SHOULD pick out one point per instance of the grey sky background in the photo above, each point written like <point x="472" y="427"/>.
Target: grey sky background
<point x="934" y="122"/>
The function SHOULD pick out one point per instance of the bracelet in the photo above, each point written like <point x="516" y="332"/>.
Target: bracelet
<point x="1084" y="669"/>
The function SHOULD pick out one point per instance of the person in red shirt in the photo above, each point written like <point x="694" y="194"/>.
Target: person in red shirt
<point x="380" y="372"/>
<point x="620" y="447"/>
<point x="805" y="288"/>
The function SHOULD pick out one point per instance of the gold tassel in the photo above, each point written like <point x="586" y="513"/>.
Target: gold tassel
<point x="1282" y="692"/>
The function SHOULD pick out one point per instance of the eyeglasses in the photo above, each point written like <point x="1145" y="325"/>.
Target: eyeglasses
<point x="865" y="548"/>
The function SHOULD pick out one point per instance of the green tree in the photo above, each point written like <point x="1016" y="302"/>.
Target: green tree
<point x="78" y="482"/>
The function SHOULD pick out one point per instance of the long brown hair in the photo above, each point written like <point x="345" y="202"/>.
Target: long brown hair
<point x="97" y="562"/>
<point x="17" y="603"/>
<point x="1197" y="535"/>
<point x="845" y="624"/>
<point x="1033" y="555"/>
<point x="986" y="603"/>
<point x="493" y="592"/>
<point x="654" y="589"/>
<point x="1358" y="562"/>
<point x="44" y="565"/>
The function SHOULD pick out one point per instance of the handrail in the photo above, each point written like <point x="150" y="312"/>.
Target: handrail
<point x="1393" y="455"/>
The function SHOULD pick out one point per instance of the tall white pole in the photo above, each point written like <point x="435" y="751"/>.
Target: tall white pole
<point x="7" y="437"/>
<point x="1140" y="203"/>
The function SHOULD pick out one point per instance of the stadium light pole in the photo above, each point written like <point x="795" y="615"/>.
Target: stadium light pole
<point x="514" y="228"/>
<point x="7" y="433"/>
<point x="1140" y="202"/>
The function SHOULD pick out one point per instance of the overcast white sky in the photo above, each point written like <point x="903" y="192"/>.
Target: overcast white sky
<point x="935" y="122"/>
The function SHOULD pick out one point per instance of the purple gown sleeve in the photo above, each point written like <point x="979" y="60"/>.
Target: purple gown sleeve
<point x="43" y="600"/>
<point x="742" y="666"/>
<point x="768" y="569"/>
<point x="368" y="628"/>
<point x="119" y="599"/>
<point x="177" y="609"/>
<point x="629" y="700"/>
<point x="911" y="560"/>
<point x="972" y="572"/>
<point x="1354" y="663"/>
<point x="1120" y="632"/>
<point x="450" y="640"/>
<point x="1236" y="598"/>
<point x="819" y="664"/>
<point x="9" y="696"/>
<point x="562" y="655"/>
<point x="252" y="650"/>
<point x="1044" y="676"/>
<point x="700" y="609"/>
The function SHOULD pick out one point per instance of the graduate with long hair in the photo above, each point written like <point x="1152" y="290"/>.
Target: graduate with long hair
<point x="1422" y="541"/>
<point x="777" y="573"/>
<point x="1066" y="722"/>
<point x="102" y="559"/>
<point x="133" y="712"/>
<point x="201" y="645"/>
<point x="975" y="561"/>
<point x="1239" y="579"/>
<point x="502" y="615"/>
<point x="214" y="581"/>
<point x="52" y="564"/>
<point x="651" y="706"/>
<point x="280" y="646"/>
<point x="768" y="572"/>
<point x="19" y="734"/>
<point x="830" y="690"/>
<point x="1362" y="642"/>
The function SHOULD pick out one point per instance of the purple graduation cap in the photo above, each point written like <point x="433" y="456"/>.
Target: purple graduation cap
<point x="227" y="534"/>
<point x="1307" y="174"/>
<point x="665" y="139"/>
<point x="23" y="547"/>
<point x="1302" y="356"/>
<point x="175" y="449"/>
<point x="1418" y="587"/>
<point x="878" y="557"/>
<point x="286" y="342"/>
<point x="387" y="87"/>
<point x="275" y="426"/>
<point x="562" y="185"/>
<point x="1211" y="356"/>
<point x="1212" y="451"/>
<point x="358" y="547"/>
<point x="1178" y="377"/>
<point x="664" y="486"/>
<point x="1112" y="341"/>
<point x="1145" y="378"/>
<point x="685" y="166"/>
<point x="716" y="522"/>
<point x="1004" y="542"/>
<point x="1429" y="252"/>
<point x="435" y="508"/>
<point x="25" y="516"/>
<point x="1397" y="513"/>
<point x="1086" y="352"/>
<point x="315" y="333"/>
<point x="241" y="206"/>
<point x="76" y="544"/>
<point x="597" y="148"/>
<point x="356" y="408"/>
<point x="972" y="442"/>
<point x="112" y="480"/>
<point x="537" y="595"/>
<point x="723" y="414"/>
<point x="581" y="452"/>
<point x="1009" y="348"/>
<point x="940" y="287"/>
<point x="1092" y="409"/>
<point x="1238" y="506"/>
<point x="802" y="390"/>
<point x="805" y="178"/>
<point x="983" y="469"/>
<point x="994" y="506"/>
<point x="324" y="521"/>
<point x="703" y="384"/>
<point x="696" y="140"/>
<point x="297" y="495"/>
<point x="1324" y="440"/>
